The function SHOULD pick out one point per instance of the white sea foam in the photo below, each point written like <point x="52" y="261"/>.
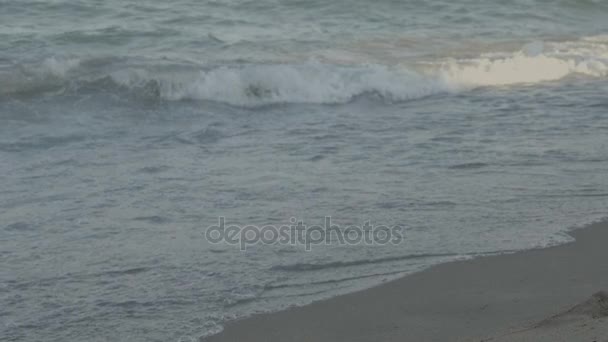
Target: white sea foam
<point x="535" y="63"/>
<point x="305" y="83"/>
<point x="314" y="82"/>
<point x="59" y="67"/>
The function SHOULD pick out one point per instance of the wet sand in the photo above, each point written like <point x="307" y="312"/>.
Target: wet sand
<point x="538" y="295"/>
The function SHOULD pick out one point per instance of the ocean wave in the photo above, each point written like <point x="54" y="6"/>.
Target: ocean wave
<point x="314" y="82"/>
<point x="306" y="83"/>
<point x="50" y="75"/>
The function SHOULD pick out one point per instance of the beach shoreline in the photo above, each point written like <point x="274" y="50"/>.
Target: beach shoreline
<point x="499" y="298"/>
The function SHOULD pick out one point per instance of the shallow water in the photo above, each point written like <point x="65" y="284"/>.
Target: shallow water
<point x="127" y="128"/>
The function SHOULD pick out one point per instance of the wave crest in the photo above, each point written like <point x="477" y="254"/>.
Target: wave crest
<point x="252" y="85"/>
<point x="307" y="83"/>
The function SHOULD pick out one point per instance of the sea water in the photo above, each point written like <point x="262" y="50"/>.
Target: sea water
<point x="129" y="127"/>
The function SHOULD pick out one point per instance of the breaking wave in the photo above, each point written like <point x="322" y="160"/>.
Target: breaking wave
<point x="252" y="85"/>
<point x="306" y="83"/>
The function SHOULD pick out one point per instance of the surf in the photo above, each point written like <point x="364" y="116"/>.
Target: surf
<point x="310" y="81"/>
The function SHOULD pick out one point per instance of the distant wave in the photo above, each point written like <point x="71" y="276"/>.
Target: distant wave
<point x="252" y="85"/>
<point x="465" y="166"/>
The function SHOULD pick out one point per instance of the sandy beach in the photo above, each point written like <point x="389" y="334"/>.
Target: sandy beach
<point x="551" y="294"/>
